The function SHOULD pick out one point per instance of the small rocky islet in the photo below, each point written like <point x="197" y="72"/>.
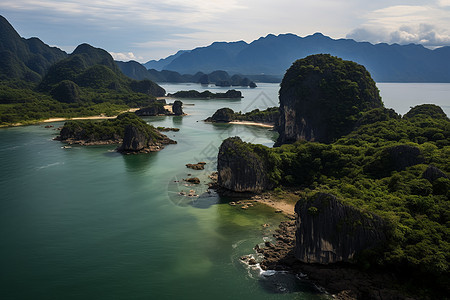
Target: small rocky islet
<point x="269" y="116"/>
<point x="132" y="133"/>
<point x="193" y="94"/>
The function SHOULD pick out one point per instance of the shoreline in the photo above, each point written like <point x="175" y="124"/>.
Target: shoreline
<point x="98" y="117"/>
<point x="51" y="120"/>
<point x="343" y="281"/>
<point x="280" y="206"/>
<point x="251" y="123"/>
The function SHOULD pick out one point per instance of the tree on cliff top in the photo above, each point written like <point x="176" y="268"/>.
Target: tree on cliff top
<point x="322" y="97"/>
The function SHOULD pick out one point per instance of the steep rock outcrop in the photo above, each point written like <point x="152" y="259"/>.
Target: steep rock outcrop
<point x="322" y="97"/>
<point x="329" y="231"/>
<point x="240" y="168"/>
<point x="134" y="139"/>
<point x="177" y="108"/>
<point x="140" y="140"/>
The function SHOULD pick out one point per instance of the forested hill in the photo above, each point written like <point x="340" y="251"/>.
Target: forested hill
<point x="40" y="82"/>
<point x="25" y="59"/>
<point x="273" y="55"/>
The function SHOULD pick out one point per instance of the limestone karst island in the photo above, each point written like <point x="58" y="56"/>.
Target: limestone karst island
<point x="285" y="168"/>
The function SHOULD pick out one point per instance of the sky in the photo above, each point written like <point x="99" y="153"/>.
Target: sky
<point x="143" y="30"/>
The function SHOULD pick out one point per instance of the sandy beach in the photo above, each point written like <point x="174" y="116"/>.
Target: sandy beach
<point x="286" y="208"/>
<point x="252" y="123"/>
<point x="169" y="108"/>
<point x="99" y="117"/>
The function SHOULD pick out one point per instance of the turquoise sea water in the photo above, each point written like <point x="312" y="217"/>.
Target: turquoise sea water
<point x="88" y="223"/>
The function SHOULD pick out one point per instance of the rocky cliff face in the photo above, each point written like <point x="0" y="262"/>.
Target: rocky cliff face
<point x="240" y="169"/>
<point x="134" y="139"/>
<point x="177" y="108"/>
<point x="329" y="231"/>
<point x="321" y="98"/>
<point x="139" y="140"/>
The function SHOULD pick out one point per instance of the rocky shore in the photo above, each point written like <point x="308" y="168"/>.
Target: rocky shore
<point x="343" y="280"/>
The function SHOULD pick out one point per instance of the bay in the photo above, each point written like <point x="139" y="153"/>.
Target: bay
<point x="89" y="223"/>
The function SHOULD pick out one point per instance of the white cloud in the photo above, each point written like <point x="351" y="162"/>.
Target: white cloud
<point x="178" y="11"/>
<point x="444" y="3"/>
<point x="156" y="28"/>
<point x="124" y="56"/>
<point x="404" y="24"/>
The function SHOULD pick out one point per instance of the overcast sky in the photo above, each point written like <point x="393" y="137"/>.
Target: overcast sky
<point x="144" y="30"/>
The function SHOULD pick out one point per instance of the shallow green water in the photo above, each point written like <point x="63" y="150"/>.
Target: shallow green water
<point x="88" y="223"/>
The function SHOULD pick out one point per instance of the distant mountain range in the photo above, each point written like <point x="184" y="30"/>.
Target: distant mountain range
<point x="265" y="59"/>
<point x="136" y="71"/>
<point x="160" y="64"/>
<point x="273" y="55"/>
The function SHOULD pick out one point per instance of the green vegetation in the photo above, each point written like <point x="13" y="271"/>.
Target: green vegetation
<point x="269" y="115"/>
<point x="232" y="94"/>
<point x="24" y="59"/>
<point x="360" y="170"/>
<point x="23" y="105"/>
<point x="111" y="129"/>
<point x="328" y="94"/>
<point x="87" y="83"/>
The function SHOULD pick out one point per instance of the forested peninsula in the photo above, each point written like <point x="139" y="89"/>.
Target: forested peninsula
<point x="374" y="184"/>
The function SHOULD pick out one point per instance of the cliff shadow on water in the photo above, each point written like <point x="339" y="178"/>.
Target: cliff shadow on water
<point x="138" y="163"/>
<point x="177" y="120"/>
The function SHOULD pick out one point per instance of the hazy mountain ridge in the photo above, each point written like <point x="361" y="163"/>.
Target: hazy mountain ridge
<point x="274" y="54"/>
<point x="136" y="71"/>
<point x="159" y="64"/>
